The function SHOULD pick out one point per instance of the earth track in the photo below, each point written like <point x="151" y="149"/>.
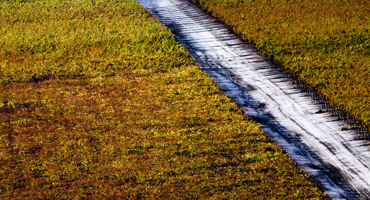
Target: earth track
<point x="318" y="142"/>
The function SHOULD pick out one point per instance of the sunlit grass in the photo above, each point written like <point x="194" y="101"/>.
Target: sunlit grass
<point x="99" y="101"/>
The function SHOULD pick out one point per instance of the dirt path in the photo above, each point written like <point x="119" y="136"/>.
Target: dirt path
<point x="334" y="157"/>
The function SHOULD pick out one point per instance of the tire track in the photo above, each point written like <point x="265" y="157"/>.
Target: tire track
<point x="316" y="140"/>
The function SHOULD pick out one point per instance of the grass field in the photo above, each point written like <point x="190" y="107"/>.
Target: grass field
<point x="98" y="101"/>
<point x="326" y="44"/>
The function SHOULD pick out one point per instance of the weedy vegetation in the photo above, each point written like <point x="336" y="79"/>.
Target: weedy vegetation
<point x="99" y="101"/>
<point x="325" y="43"/>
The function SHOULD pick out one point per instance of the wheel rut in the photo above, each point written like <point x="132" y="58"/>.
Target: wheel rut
<point x="332" y="154"/>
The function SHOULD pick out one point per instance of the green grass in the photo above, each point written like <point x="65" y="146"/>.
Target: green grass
<point x="99" y="101"/>
<point x="326" y="44"/>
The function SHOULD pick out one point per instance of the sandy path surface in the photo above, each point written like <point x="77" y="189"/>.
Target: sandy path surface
<point x="335" y="157"/>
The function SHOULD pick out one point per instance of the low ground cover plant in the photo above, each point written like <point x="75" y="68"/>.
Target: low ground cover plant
<point x="326" y="44"/>
<point x="99" y="101"/>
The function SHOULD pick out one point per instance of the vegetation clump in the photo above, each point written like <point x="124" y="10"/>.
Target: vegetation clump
<point x="326" y="44"/>
<point x="99" y="101"/>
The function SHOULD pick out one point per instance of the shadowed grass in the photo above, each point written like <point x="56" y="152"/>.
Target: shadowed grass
<point x="326" y="44"/>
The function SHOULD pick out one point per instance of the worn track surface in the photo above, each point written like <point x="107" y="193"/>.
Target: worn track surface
<point x="320" y="143"/>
